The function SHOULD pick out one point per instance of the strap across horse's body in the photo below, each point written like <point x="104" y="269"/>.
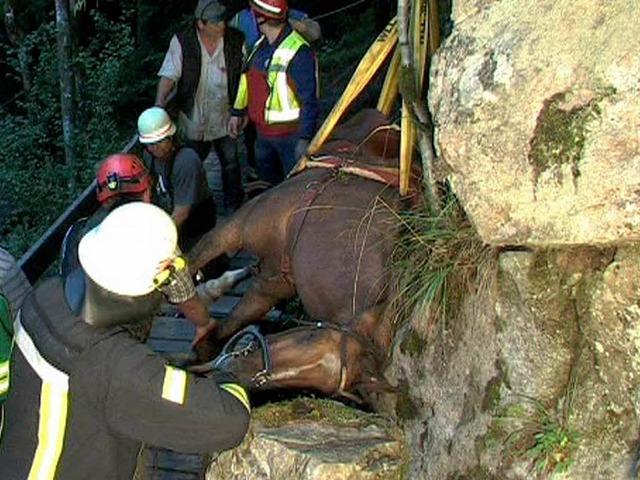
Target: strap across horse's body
<point x="296" y="220"/>
<point x="385" y="175"/>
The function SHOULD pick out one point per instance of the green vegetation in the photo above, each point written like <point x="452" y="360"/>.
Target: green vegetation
<point x="560" y="133"/>
<point x="406" y="409"/>
<point x="37" y="184"/>
<point x="274" y="415"/>
<point x="543" y="436"/>
<point x="117" y="55"/>
<point x="412" y="344"/>
<point x="436" y="264"/>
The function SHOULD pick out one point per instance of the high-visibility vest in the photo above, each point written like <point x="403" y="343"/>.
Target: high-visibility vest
<point x="282" y="105"/>
<point x="6" y="346"/>
<point x="54" y="407"/>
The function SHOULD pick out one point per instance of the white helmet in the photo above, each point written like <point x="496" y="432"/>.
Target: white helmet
<point x="124" y="253"/>
<point x="154" y="125"/>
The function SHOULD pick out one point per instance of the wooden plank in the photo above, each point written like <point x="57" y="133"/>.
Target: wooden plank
<point x="153" y="473"/>
<point x="241" y="288"/>
<point x="242" y="259"/>
<point x="223" y="306"/>
<point x="164" y="459"/>
<point x="167" y="345"/>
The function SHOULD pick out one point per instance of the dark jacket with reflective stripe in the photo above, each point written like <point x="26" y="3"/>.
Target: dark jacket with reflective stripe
<point x="191" y="64"/>
<point x="114" y="400"/>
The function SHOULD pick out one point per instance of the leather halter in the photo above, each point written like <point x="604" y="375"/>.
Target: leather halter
<point x="247" y="335"/>
<point x="345" y="331"/>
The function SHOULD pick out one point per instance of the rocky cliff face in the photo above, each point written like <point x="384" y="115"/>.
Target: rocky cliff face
<point x="536" y="114"/>
<point x="310" y="439"/>
<point x="538" y="376"/>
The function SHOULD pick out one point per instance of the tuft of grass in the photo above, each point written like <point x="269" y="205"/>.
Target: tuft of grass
<point x="435" y="263"/>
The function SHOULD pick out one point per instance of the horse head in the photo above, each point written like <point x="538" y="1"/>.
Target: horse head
<point x="326" y="359"/>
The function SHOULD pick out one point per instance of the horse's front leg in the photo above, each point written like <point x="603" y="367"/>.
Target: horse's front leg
<point x="263" y="295"/>
<point x="223" y="238"/>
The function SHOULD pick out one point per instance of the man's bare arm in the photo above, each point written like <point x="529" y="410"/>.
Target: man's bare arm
<point x="165" y="86"/>
<point x="180" y="214"/>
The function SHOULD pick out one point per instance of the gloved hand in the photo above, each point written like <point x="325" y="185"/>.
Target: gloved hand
<point x="301" y="148"/>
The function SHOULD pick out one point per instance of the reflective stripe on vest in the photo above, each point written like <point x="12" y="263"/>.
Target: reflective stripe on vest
<point x="242" y="97"/>
<point x="282" y="104"/>
<point x="175" y="384"/>
<point x="53" y="407"/>
<point x="4" y="377"/>
<point x="239" y="392"/>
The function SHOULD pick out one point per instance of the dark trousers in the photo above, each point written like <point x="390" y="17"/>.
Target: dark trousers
<point x="227" y="152"/>
<point x="276" y="157"/>
<point x="250" y="135"/>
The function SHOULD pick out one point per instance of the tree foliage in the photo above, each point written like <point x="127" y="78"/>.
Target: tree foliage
<point x="119" y="48"/>
<point x="32" y="168"/>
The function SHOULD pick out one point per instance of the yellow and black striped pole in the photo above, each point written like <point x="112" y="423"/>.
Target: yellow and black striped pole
<point x="419" y="28"/>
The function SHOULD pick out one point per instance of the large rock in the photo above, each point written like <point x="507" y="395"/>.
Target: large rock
<point x="540" y="375"/>
<point x="314" y="440"/>
<point x="535" y="104"/>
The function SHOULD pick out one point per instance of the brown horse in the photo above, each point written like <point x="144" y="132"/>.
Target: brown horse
<point x="324" y="234"/>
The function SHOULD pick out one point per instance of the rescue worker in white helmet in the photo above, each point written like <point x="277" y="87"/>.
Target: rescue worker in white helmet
<point x="181" y="187"/>
<point x="122" y="178"/>
<point x="180" y="182"/>
<point x="85" y="394"/>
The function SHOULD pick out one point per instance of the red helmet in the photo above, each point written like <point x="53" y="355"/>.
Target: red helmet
<point x="270" y="9"/>
<point x="121" y="173"/>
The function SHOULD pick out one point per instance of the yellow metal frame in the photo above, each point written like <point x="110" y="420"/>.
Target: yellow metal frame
<point x="425" y="37"/>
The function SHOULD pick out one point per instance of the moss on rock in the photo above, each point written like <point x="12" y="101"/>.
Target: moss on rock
<point x="560" y="134"/>
<point x="274" y="415"/>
